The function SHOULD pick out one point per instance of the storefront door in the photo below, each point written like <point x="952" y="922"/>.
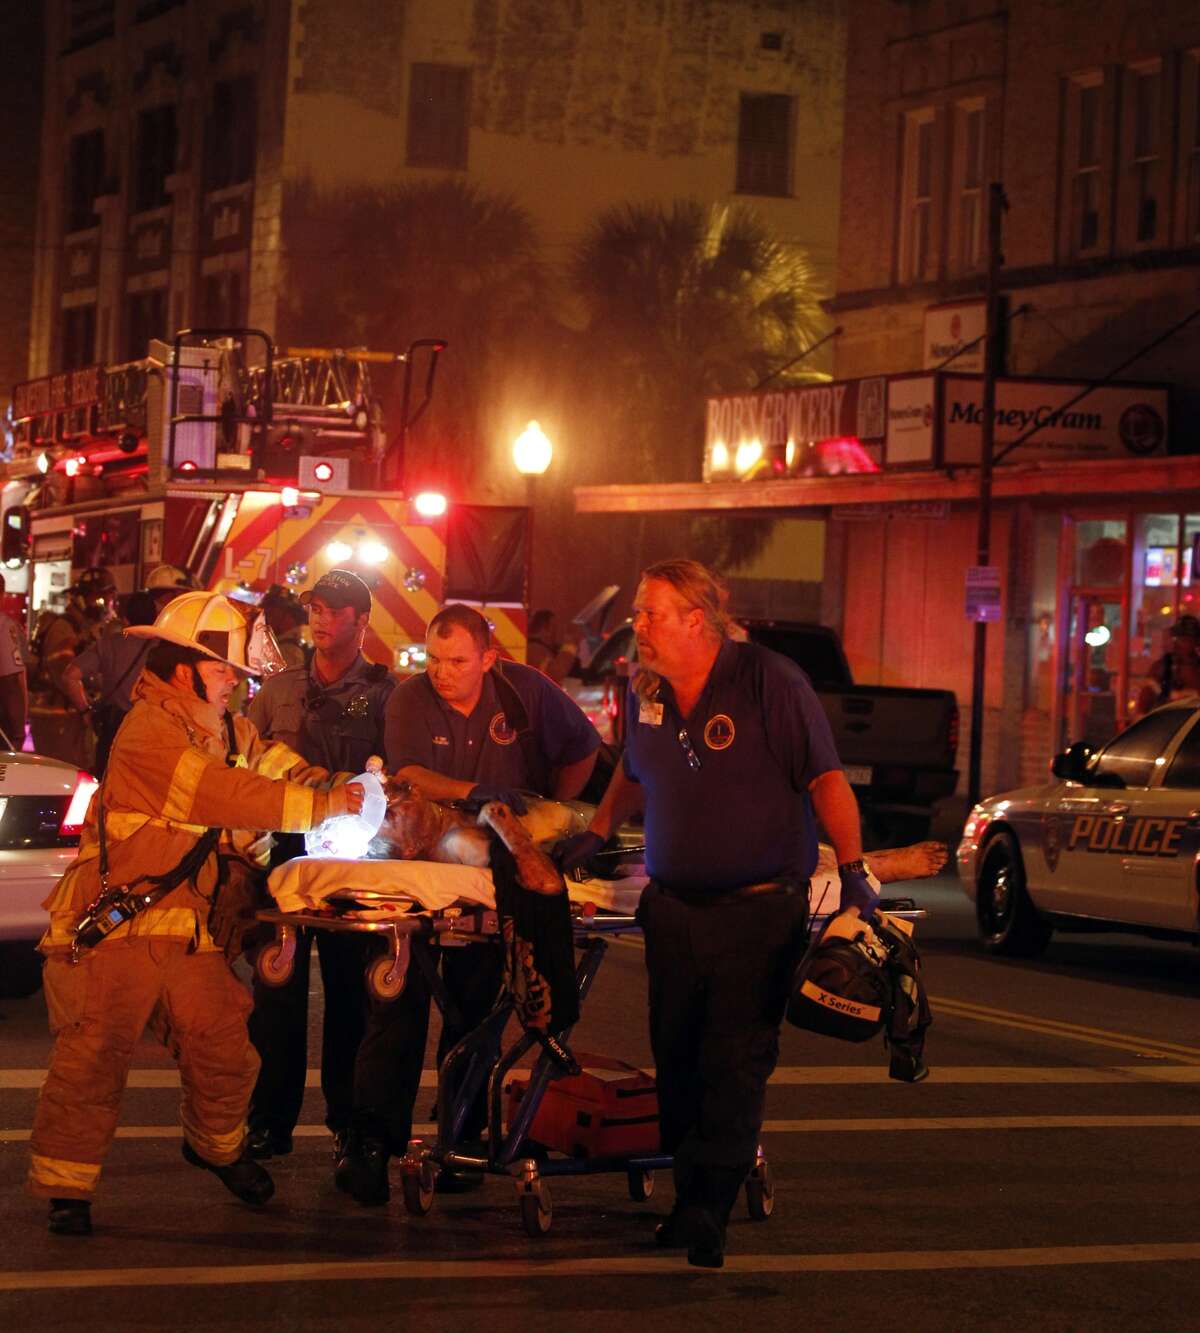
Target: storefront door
<point x="1095" y="650"/>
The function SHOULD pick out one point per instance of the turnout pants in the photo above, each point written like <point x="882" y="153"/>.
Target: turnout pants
<point x="719" y="974"/>
<point x="387" y="1076"/>
<point x="279" y="1031"/>
<point x="99" y="1008"/>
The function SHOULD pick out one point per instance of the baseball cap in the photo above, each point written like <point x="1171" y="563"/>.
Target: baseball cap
<point x="338" y="588"/>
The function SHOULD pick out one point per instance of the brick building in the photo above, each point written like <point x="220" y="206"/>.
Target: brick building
<point x="1089" y="117"/>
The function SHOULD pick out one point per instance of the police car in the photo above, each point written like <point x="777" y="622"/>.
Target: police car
<point x="1113" y="842"/>
<point x="42" y="807"/>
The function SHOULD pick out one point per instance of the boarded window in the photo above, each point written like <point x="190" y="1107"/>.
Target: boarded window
<point x="231" y="145"/>
<point x="438" y="109"/>
<point x="155" y="157"/>
<point x="78" y="337"/>
<point x="145" y="318"/>
<point x="764" y="158"/>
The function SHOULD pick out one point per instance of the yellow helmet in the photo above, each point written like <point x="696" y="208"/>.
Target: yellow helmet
<point x="207" y="622"/>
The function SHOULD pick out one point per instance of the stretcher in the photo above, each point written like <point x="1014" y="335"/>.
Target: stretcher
<point x="412" y="905"/>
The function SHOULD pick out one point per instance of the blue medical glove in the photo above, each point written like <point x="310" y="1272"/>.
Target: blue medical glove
<point x="577" y="849"/>
<point x="509" y="796"/>
<point x="857" y="890"/>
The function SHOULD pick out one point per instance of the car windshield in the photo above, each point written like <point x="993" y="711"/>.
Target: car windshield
<point x="1138" y="750"/>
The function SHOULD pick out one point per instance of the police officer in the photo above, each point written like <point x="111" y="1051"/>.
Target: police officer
<point x="330" y="712"/>
<point x="728" y="754"/>
<point x="469" y="728"/>
<point x="60" y="728"/>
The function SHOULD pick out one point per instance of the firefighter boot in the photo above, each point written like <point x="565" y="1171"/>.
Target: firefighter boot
<point x="243" y="1178"/>
<point x="70" y="1217"/>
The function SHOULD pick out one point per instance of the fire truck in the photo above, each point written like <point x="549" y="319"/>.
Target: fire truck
<point x="247" y="465"/>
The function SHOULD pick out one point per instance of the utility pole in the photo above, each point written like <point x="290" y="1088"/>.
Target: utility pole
<point x="993" y="356"/>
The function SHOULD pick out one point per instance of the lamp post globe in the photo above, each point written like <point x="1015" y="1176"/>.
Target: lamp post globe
<point x="532" y="451"/>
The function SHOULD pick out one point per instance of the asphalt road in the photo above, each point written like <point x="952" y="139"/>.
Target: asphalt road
<point x="1045" y="1176"/>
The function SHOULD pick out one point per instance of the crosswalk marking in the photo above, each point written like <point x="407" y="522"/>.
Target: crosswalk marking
<point x="603" y="1266"/>
<point x="841" y="1125"/>
<point x="784" y="1076"/>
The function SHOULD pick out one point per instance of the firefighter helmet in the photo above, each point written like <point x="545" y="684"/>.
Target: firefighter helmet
<point x="842" y="987"/>
<point x="169" y="576"/>
<point x="209" y="623"/>
<point x="94" y="590"/>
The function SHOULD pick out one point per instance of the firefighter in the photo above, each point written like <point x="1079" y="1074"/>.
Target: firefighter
<point x="287" y="618"/>
<point x="60" y="728"/>
<point x="332" y="712"/>
<point x="189" y="793"/>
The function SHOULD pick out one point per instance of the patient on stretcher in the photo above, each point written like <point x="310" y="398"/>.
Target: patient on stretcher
<point x="418" y="829"/>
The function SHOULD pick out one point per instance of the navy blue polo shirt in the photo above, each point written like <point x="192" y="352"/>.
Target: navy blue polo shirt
<point x="484" y="747"/>
<point x="738" y="812"/>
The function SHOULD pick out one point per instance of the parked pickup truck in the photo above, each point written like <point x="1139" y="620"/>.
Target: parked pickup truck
<point x="898" y="745"/>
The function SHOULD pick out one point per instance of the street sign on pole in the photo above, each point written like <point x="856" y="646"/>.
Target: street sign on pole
<point x="983" y="593"/>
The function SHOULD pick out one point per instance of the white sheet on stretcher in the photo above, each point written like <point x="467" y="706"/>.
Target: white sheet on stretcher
<point x="305" y="883"/>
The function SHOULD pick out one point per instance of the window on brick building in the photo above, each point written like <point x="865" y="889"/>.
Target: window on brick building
<point x="231" y="144"/>
<point x="1085" y="174"/>
<point x="85" y="179"/>
<point x="89" y="21"/>
<point x="439" y="103"/>
<point x="917" y="187"/>
<point x="145" y="318"/>
<point x="764" y="151"/>
<point x="1142" y="191"/>
<point x="1190" y="140"/>
<point x="77" y="335"/>
<point x="223" y="300"/>
<point x="970" y="185"/>
<point x="155" y="161"/>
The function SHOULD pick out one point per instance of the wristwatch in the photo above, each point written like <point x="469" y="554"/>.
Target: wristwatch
<point x="852" y="868"/>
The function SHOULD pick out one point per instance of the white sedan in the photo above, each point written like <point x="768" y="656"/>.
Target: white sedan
<point x="1113" y="842"/>
<point x="42" y="807"/>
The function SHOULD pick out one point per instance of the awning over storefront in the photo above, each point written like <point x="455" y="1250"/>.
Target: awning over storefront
<point x="1057" y="481"/>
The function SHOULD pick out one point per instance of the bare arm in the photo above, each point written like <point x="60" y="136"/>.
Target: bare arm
<point x="433" y="785"/>
<point x="622" y="799"/>
<point x="833" y="800"/>
<point x="571" y="779"/>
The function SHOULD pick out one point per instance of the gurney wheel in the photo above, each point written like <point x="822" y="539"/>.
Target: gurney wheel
<point x="275" y="963"/>
<point x="537" y="1210"/>
<point x="641" y="1184"/>
<point x="385" y="980"/>
<point x="760" y="1192"/>
<point x="417" y="1187"/>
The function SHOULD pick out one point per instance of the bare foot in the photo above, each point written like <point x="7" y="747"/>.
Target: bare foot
<point x="535" y="870"/>
<point x="919" y="861"/>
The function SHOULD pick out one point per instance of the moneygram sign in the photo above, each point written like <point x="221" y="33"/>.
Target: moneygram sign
<point x="1111" y="421"/>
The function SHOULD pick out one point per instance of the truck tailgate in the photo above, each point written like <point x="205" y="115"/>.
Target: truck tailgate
<point x="885" y="725"/>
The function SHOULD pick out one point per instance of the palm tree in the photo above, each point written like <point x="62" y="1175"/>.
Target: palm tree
<point x="383" y="266"/>
<point x="683" y="302"/>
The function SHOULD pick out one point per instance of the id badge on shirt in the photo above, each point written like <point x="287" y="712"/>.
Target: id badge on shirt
<point x="650" y="713"/>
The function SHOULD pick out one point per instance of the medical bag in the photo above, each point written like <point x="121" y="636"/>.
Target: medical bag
<point x="608" y="1110"/>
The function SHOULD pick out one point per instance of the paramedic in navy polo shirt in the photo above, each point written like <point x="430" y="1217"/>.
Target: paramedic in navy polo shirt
<point x="468" y="729"/>
<point x="728" y="754"/>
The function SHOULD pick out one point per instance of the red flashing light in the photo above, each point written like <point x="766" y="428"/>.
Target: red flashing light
<point x="430" y="504"/>
<point x="322" y="471"/>
<point x="188" y="465"/>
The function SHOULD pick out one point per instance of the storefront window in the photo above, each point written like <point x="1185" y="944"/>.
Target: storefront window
<point x="1100" y="552"/>
<point x="1155" y="594"/>
<point x="1039" y="680"/>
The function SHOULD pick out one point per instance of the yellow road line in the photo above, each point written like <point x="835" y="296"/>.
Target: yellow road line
<point x="458" y="1270"/>
<point x="861" y="1125"/>
<point x="784" y="1076"/>
<point x="1163" y="1050"/>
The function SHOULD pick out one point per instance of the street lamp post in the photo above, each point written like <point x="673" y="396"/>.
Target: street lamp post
<point x="532" y="452"/>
